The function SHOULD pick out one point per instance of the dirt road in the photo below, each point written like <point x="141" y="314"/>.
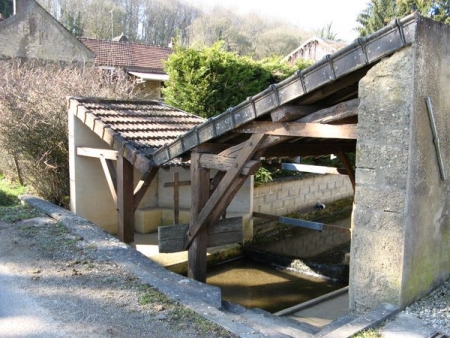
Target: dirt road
<point x="50" y="286"/>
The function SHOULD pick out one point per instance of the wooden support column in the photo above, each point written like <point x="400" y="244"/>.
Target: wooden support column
<point x="214" y="206"/>
<point x="125" y="200"/>
<point x="200" y="195"/>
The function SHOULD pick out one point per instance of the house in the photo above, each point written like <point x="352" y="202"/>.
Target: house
<point x="314" y="49"/>
<point x="144" y="63"/>
<point x="32" y="33"/>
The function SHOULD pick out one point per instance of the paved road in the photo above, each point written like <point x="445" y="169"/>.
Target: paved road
<point x="21" y="315"/>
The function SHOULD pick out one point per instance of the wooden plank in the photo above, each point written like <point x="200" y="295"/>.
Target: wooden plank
<point x="200" y="191"/>
<point x="295" y="129"/>
<point x="143" y="185"/>
<point x="219" y="195"/>
<point x="266" y="216"/>
<point x="223" y="163"/>
<point x="172" y="238"/>
<point x="111" y="178"/>
<point x="289" y="113"/>
<point x="309" y="149"/>
<point x="97" y="153"/>
<point x="180" y="184"/>
<point x="314" y="169"/>
<point x="176" y="198"/>
<point x="291" y="221"/>
<point x="349" y="169"/>
<point x="338" y="112"/>
<point x="302" y="223"/>
<point x="125" y="200"/>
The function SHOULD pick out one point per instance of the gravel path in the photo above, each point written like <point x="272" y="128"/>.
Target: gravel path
<point x="434" y="309"/>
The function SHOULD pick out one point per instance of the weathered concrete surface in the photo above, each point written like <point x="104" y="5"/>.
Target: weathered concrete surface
<point x="34" y="33"/>
<point x="401" y="224"/>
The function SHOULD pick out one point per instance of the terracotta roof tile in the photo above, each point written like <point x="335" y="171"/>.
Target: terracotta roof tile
<point x="140" y="126"/>
<point x="128" y="55"/>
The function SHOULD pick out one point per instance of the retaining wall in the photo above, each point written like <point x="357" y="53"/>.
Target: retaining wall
<point x="286" y="197"/>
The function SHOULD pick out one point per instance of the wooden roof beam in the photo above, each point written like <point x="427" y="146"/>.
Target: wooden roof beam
<point x="332" y="114"/>
<point x="309" y="149"/>
<point x="295" y="129"/>
<point x="289" y="113"/>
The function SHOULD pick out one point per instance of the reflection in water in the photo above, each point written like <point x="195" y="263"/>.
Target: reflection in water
<point x="252" y="284"/>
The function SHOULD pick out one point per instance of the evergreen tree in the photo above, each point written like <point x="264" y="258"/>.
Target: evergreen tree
<point x="380" y="12"/>
<point x="207" y="81"/>
<point x="377" y="15"/>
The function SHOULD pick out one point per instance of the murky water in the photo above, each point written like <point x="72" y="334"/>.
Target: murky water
<point x="252" y="284"/>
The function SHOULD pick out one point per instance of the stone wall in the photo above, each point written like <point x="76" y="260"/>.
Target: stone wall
<point x="34" y="34"/>
<point x="286" y="197"/>
<point x="401" y="223"/>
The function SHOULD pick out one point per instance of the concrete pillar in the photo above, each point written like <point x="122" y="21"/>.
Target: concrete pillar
<point x="401" y="223"/>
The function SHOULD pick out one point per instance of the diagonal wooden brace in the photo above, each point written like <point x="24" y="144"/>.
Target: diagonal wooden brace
<point x="221" y="193"/>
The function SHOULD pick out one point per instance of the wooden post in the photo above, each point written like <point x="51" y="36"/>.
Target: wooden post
<point x="125" y="200"/>
<point x="200" y="195"/>
<point x="176" y="199"/>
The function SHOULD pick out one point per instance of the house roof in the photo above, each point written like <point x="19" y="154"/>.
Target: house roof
<point x="328" y="82"/>
<point x="314" y="49"/>
<point x="128" y="55"/>
<point x="136" y="127"/>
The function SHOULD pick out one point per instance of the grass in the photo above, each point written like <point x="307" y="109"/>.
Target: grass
<point x="10" y="208"/>
<point x="10" y="192"/>
<point x="371" y="333"/>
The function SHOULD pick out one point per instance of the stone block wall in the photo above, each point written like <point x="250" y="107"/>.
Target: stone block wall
<point x="401" y="220"/>
<point x="286" y="197"/>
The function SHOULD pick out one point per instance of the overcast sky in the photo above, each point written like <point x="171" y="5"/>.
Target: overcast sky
<point x="308" y="14"/>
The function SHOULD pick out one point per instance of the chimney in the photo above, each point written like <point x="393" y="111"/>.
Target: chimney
<point x="21" y="5"/>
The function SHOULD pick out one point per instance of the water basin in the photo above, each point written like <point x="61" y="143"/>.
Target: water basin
<point x="253" y="284"/>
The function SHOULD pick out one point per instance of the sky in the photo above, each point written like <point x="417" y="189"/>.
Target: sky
<point x="308" y="14"/>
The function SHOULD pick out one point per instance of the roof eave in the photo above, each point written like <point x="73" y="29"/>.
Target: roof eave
<point x="361" y="53"/>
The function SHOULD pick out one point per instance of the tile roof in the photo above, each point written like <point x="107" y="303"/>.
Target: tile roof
<point x="128" y="55"/>
<point x="137" y="127"/>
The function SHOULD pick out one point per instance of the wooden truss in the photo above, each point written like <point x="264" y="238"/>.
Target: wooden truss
<point x="235" y="163"/>
<point x="334" y="128"/>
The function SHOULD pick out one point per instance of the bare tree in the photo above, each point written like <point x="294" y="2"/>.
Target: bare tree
<point x="164" y="19"/>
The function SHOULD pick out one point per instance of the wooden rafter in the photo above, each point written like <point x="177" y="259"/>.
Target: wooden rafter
<point x="309" y="149"/>
<point x="143" y="185"/>
<point x="336" y="113"/>
<point x="295" y="129"/>
<point x="289" y="113"/>
<point x="223" y="163"/>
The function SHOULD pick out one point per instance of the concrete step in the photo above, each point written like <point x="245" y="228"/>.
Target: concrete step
<point x="337" y="323"/>
<point x="266" y="324"/>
